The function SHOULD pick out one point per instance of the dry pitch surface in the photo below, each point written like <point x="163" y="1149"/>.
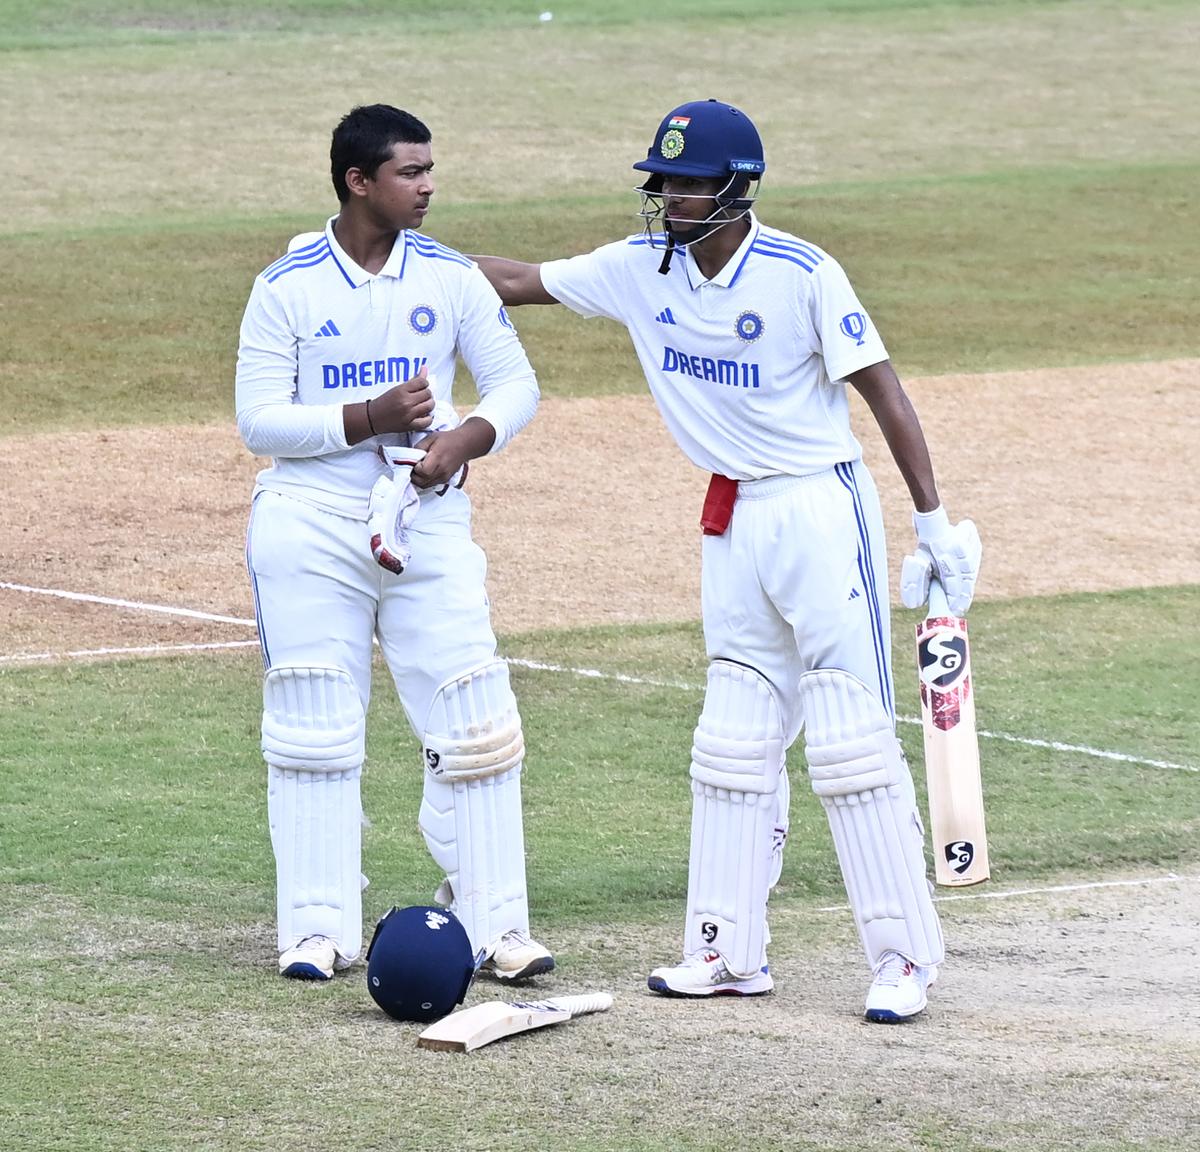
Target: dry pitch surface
<point x="1079" y="480"/>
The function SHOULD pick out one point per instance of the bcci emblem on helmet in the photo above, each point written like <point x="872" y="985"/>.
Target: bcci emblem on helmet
<point x="672" y="144"/>
<point x="721" y="140"/>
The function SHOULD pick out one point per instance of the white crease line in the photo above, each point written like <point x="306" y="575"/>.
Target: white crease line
<point x="1028" y="741"/>
<point x="591" y="673"/>
<point x="1011" y="893"/>
<point x="145" y="650"/>
<point x="114" y="603"/>
<point x="596" y="674"/>
<point x="1056" y="746"/>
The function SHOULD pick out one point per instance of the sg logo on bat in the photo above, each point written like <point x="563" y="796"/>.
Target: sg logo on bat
<point x="942" y="657"/>
<point x="960" y="854"/>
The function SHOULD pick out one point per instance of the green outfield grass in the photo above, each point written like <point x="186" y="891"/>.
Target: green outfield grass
<point x="141" y="780"/>
<point x="136" y="905"/>
<point x="1020" y="271"/>
<point x="1010" y="184"/>
<point x="999" y="200"/>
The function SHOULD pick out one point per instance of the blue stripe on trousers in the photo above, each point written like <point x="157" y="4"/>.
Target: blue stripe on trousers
<point x="866" y="569"/>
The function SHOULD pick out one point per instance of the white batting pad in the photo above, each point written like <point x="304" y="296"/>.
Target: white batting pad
<point x="314" y="743"/>
<point x="312" y="719"/>
<point x="474" y="728"/>
<point x="779" y="833"/>
<point x="858" y="770"/>
<point x="471" y="809"/>
<point x="737" y="758"/>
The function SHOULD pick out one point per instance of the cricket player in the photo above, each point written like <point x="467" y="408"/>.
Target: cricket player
<point x="748" y="337"/>
<point x="344" y="378"/>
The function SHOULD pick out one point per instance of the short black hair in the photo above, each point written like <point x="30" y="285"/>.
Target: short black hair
<point x="364" y="140"/>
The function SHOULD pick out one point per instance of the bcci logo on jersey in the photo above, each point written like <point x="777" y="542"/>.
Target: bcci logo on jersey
<point x="748" y="326"/>
<point x="422" y="319"/>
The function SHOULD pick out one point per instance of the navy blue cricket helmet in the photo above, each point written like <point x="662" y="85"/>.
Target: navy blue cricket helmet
<point x="705" y="139"/>
<point x="419" y="964"/>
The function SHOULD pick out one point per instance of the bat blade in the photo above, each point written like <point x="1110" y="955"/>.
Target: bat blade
<point x="956" y="817"/>
<point x="481" y="1024"/>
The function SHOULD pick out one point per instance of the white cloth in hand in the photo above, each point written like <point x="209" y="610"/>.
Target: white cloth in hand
<point x="955" y="551"/>
<point x="445" y="418"/>
<point x="393" y="507"/>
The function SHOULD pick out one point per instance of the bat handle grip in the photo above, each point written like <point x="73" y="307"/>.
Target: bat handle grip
<point x="938" y="604"/>
<point x="581" y="1005"/>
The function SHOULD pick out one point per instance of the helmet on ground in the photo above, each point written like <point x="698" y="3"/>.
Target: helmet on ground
<point x="705" y="139"/>
<point x="419" y="964"/>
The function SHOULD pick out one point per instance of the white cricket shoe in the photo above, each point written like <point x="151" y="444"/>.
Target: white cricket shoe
<point x="314" y="958"/>
<point x="705" y="974"/>
<point x="516" y="956"/>
<point x="897" y="992"/>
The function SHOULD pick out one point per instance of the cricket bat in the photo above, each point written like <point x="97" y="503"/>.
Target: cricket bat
<point x="951" y="746"/>
<point x="473" y="1027"/>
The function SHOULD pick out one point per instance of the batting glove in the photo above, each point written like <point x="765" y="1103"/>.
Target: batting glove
<point x="393" y="508"/>
<point x="954" y="550"/>
<point x="915" y="574"/>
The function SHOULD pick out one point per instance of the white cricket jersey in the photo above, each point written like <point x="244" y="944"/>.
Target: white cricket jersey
<point x="748" y="369"/>
<point x="319" y="332"/>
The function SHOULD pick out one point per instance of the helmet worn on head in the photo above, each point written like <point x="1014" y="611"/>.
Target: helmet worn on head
<point x="705" y="139"/>
<point x="419" y="964"/>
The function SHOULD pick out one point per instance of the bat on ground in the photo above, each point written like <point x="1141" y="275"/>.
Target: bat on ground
<point x="473" y="1027"/>
<point x="951" y="746"/>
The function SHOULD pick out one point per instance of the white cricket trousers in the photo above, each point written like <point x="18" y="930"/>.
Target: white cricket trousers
<point x="799" y="581"/>
<point x="320" y="597"/>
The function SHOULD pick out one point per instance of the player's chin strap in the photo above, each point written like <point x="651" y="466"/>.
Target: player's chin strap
<point x="710" y="227"/>
<point x="653" y="209"/>
<point x="665" y="266"/>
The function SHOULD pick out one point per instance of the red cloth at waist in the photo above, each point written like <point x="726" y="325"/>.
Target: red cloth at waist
<point x="718" y="505"/>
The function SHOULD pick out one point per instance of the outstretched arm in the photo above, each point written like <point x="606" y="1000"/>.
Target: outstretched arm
<point x="514" y="281"/>
<point x="949" y="551"/>
<point x="880" y="387"/>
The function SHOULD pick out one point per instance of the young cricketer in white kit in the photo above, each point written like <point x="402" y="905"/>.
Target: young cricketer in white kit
<point x="748" y="337"/>
<point x="347" y="354"/>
